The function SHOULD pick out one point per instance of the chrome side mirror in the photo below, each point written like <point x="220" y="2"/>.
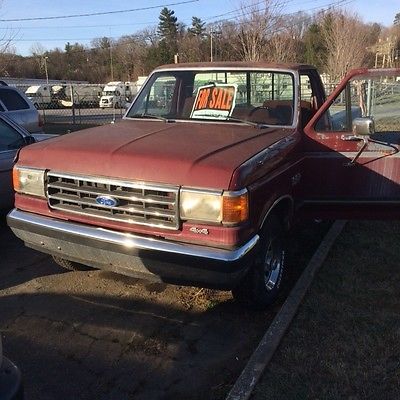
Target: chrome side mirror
<point x="364" y="126"/>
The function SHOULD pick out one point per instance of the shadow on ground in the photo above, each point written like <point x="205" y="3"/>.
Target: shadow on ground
<point x="92" y="334"/>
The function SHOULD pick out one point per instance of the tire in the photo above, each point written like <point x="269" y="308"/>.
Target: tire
<point x="70" y="265"/>
<point x="261" y="286"/>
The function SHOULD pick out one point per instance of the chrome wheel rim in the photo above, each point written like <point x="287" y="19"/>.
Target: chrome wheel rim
<point x="273" y="263"/>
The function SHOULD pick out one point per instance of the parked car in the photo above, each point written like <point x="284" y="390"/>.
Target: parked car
<point x="10" y="379"/>
<point x="20" y="109"/>
<point x="12" y="138"/>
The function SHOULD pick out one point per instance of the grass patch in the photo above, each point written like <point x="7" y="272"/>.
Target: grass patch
<point x="345" y="340"/>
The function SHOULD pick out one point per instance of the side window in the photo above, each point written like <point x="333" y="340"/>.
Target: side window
<point x="306" y="92"/>
<point x="307" y="99"/>
<point x="374" y="97"/>
<point x="13" y="100"/>
<point x="10" y="139"/>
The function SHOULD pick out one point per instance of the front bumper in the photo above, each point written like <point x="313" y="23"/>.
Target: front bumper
<point x="10" y="381"/>
<point x="133" y="255"/>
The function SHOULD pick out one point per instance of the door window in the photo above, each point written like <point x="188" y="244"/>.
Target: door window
<point x="13" y="100"/>
<point x="10" y="139"/>
<point x="374" y="97"/>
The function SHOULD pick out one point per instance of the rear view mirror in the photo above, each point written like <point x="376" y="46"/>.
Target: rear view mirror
<point x="363" y="126"/>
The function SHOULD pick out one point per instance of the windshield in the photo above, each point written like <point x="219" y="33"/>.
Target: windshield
<point x="108" y="93"/>
<point x="265" y="97"/>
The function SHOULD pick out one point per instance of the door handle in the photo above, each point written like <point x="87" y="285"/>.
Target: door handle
<point x="362" y="148"/>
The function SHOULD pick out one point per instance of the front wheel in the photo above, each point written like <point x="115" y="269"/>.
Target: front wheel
<point x="261" y="285"/>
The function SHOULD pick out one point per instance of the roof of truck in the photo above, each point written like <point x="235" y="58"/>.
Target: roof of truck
<point x="237" y="64"/>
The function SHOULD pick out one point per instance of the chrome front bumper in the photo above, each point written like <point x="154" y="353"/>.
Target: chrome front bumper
<point x="133" y="255"/>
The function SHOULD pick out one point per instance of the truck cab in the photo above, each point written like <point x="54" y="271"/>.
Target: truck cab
<point x="113" y="95"/>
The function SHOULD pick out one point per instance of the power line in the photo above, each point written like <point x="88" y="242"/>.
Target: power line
<point x="97" y="13"/>
<point x="143" y="23"/>
<point x="332" y="4"/>
<point x="327" y="6"/>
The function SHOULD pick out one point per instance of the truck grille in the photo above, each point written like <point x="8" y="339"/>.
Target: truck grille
<point x="132" y="202"/>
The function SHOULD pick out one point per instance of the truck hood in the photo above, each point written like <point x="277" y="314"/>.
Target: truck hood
<point x="195" y="154"/>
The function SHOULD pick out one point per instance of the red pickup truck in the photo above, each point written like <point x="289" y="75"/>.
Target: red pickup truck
<point x="210" y="165"/>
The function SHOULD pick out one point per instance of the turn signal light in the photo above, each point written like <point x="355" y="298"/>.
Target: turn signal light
<point x="16" y="181"/>
<point x="235" y="209"/>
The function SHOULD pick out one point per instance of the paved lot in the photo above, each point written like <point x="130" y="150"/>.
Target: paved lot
<point x="92" y="334"/>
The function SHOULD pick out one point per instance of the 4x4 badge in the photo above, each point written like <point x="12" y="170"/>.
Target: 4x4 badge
<point x="201" y="231"/>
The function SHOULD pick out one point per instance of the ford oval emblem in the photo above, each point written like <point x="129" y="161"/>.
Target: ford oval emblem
<point x="107" y="201"/>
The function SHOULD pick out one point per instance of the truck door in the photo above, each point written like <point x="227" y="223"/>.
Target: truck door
<point x="351" y="149"/>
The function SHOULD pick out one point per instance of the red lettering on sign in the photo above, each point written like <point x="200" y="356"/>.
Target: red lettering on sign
<point x="214" y="93"/>
<point x="229" y="99"/>
<point x="219" y="98"/>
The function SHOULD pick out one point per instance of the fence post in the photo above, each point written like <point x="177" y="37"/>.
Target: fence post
<point x="41" y="107"/>
<point x="73" y="103"/>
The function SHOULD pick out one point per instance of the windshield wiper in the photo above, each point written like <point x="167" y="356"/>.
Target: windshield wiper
<point x="259" y="125"/>
<point x="152" y="116"/>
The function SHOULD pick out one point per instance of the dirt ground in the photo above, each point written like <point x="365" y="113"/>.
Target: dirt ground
<point x="92" y="334"/>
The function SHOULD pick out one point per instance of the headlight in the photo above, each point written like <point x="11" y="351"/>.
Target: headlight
<point x="29" y="181"/>
<point x="214" y="206"/>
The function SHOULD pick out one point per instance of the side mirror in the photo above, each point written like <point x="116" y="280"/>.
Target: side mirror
<point x="364" y="126"/>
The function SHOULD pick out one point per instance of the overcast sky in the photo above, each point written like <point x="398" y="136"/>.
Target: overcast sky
<point x="53" y="33"/>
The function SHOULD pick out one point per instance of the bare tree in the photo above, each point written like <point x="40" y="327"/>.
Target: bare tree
<point x="346" y="42"/>
<point x="7" y="49"/>
<point x="283" y="47"/>
<point x="285" y="43"/>
<point x="129" y="52"/>
<point x="257" y="23"/>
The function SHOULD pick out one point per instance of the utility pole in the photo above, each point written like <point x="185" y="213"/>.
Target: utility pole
<point x="45" y="68"/>
<point x="111" y="61"/>
<point x="211" y="45"/>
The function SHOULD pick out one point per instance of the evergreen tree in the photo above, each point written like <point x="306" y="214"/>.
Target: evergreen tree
<point x="168" y="32"/>
<point x="198" y="27"/>
<point x="314" y="46"/>
<point x="168" y="25"/>
<point x="396" y="21"/>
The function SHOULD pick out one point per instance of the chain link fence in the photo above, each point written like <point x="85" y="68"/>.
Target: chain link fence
<point x="70" y="107"/>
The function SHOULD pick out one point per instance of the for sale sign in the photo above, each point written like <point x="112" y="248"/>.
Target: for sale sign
<point x="214" y="101"/>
